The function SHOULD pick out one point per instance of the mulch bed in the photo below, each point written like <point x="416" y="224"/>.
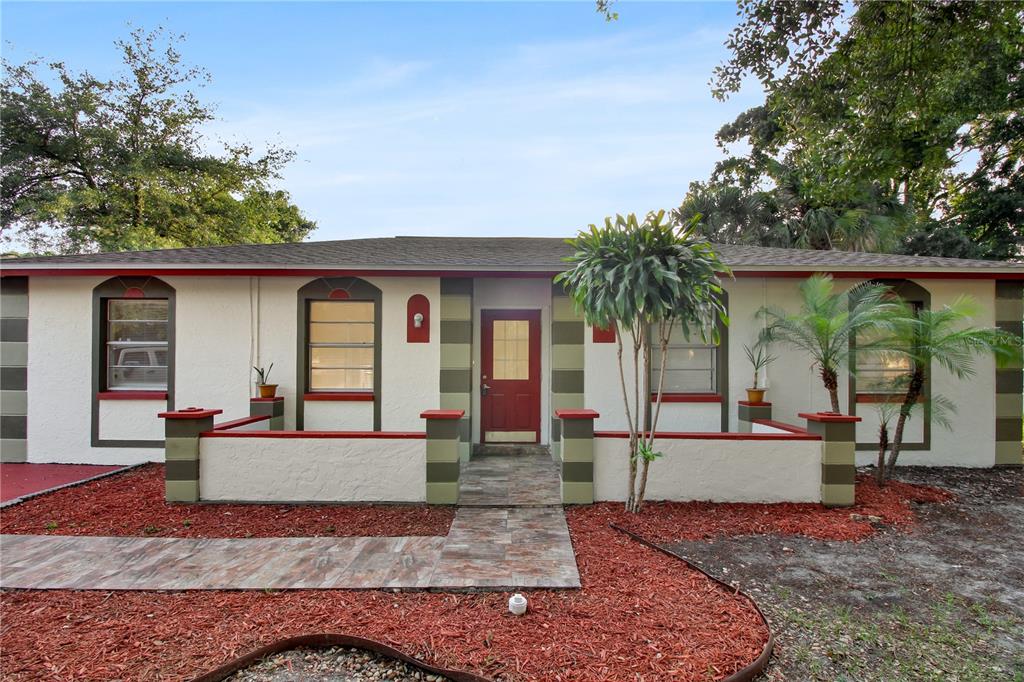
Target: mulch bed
<point x="671" y="522"/>
<point x="640" y="615"/>
<point x="133" y="503"/>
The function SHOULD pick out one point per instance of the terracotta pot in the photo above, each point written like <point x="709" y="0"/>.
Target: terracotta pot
<point x="755" y="395"/>
<point x="268" y="390"/>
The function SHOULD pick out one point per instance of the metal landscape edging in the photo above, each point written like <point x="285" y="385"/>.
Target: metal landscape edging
<point x="329" y="640"/>
<point x="751" y="670"/>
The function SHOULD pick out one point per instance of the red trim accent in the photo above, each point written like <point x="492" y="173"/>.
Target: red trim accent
<point x="829" y="417"/>
<point x="876" y="274"/>
<point x="338" y="294"/>
<point x="604" y="335"/>
<point x="750" y="404"/>
<point x="576" y="414"/>
<point x="190" y="413"/>
<point x="353" y="396"/>
<point x="713" y="435"/>
<point x="267" y="400"/>
<point x="131" y="395"/>
<point x="368" y="435"/>
<point x="687" y="397"/>
<point x="134" y="292"/>
<point x="244" y="421"/>
<point x="780" y="425"/>
<point x="417" y="303"/>
<point x="442" y="414"/>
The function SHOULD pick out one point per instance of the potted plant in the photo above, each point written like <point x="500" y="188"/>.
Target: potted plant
<point x="759" y="359"/>
<point x="266" y="390"/>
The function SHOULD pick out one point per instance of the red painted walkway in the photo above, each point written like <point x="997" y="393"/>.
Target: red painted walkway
<point x="17" y="480"/>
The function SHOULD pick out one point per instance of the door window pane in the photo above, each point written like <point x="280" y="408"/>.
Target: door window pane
<point x="511" y="349"/>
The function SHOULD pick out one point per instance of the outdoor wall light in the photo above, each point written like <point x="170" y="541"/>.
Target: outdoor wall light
<point x="417" y="320"/>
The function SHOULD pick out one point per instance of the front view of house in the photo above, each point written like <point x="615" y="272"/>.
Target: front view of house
<point x="366" y="336"/>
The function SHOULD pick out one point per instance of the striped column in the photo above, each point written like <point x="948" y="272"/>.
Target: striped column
<point x="577" y="455"/>
<point x="1009" y="379"/>
<point x="457" y="354"/>
<point x="838" y="455"/>
<point x="748" y="412"/>
<point x="443" y="465"/>
<point x="13" y="369"/>
<point x="567" y="329"/>
<point x="181" y="451"/>
<point x="272" y="407"/>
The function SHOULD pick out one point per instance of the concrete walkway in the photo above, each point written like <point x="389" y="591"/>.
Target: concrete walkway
<point x="487" y="548"/>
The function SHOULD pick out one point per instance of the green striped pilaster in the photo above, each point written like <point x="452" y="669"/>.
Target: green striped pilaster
<point x="272" y="407"/>
<point x="457" y="354"/>
<point x="567" y="330"/>
<point x="13" y="369"/>
<point x="838" y="455"/>
<point x="443" y="455"/>
<point x="576" y="455"/>
<point x="181" y="451"/>
<point x="1010" y="378"/>
<point x="748" y="412"/>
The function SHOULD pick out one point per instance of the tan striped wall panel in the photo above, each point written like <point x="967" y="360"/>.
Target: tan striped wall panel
<point x="1009" y="379"/>
<point x="567" y="376"/>
<point x="457" y="354"/>
<point x="13" y="369"/>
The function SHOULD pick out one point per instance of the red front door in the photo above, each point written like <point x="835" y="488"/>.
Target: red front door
<point x="510" y="376"/>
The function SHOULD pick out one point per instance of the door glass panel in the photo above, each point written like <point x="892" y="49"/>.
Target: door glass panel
<point x="511" y="350"/>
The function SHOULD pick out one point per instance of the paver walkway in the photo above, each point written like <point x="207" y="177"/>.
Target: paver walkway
<point x="519" y="545"/>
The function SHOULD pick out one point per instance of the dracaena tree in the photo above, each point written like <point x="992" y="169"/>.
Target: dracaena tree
<point x="644" y="279"/>
<point x="942" y="337"/>
<point x="827" y="321"/>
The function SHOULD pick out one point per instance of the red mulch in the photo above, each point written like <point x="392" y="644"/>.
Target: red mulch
<point x="641" y="615"/>
<point x="133" y="503"/>
<point x="668" y="522"/>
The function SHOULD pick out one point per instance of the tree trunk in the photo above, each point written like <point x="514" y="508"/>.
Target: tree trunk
<point x="629" y="415"/>
<point x="663" y="339"/>
<point x="883" y="445"/>
<point x="909" y="400"/>
<point x="831" y="381"/>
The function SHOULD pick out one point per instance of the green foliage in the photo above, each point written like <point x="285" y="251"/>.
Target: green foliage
<point x="885" y="98"/>
<point x="91" y="164"/>
<point x="643" y="279"/>
<point x="759" y="357"/>
<point x="262" y="375"/>
<point x="826" y="323"/>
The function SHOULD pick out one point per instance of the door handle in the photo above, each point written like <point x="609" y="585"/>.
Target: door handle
<point x="484" y="388"/>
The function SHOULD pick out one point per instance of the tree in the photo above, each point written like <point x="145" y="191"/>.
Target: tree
<point x="826" y="323"/>
<point x="942" y="337"/>
<point x="897" y="96"/>
<point x="92" y="164"/>
<point x="643" y="279"/>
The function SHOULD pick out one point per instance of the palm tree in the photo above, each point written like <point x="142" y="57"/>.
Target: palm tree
<point x="827" y="321"/>
<point x="642" y="279"/>
<point x="943" y="337"/>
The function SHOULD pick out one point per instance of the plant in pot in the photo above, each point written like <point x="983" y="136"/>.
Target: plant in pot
<point x="266" y="390"/>
<point x="760" y="358"/>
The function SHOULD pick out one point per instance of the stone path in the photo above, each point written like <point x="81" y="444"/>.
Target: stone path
<point x="518" y="545"/>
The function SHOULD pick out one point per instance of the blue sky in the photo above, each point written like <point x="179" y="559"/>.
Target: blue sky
<point x="441" y="118"/>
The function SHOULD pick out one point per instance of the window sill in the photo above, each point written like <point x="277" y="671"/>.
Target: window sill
<point x="131" y="395"/>
<point x="356" y="396"/>
<point x="883" y="398"/>
<point x="687" y="397"/>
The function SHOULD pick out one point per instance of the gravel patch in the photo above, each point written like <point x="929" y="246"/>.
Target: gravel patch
<point x="333" y="664"/>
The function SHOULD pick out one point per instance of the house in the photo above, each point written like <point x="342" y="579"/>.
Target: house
<point x="366" y="334"/>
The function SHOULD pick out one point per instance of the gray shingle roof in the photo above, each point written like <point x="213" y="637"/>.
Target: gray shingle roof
<point x="534" y="253"/>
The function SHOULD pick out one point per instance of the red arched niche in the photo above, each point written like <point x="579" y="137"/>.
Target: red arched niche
<point x="417" y="305"/>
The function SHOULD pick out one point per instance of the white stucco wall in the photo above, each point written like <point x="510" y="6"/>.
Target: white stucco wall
<point x="313" y="469"/>
<point x="331" y="415"/>
<point x="526" y="294"/>
<point x="717" y="470"/>
<point x="131" y="419"/>
<point x="262" y="469"/>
